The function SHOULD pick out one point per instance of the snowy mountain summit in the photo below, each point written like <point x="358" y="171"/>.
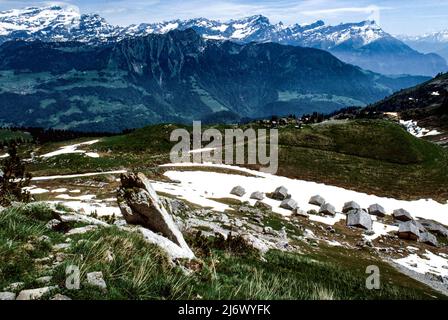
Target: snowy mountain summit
<point x="364" y="44"/>
<point x="65" y="23"/>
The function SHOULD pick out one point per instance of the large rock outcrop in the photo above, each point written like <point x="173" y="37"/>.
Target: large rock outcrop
<point x="140" y="205"/>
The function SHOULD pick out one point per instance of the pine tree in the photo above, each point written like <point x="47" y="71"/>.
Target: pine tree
<point x="13" y="178"/>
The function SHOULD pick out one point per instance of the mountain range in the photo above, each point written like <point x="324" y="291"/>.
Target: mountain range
<point x="363" y="44"/>
<point x="436" y="42"/>
<point x="175" y="77"/>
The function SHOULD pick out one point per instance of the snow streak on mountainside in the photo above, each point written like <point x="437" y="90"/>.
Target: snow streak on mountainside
<point x="364" y="44"/>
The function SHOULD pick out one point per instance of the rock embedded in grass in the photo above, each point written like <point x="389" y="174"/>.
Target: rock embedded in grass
<point x="402" y="215"/>
<point x="377" y="210"/>
<point x="96" y="279"/>
<point x="60" y="297"/>
<point x="139" y="204"/>
<point x="34" y="294"/>
<point x="257" y="195"/>
<point x="328" y="209"/>
<point x="16" y="286"/>
<point x="82" y="230"/>
<point x="359" y="218"/>
<point x="408" y="230"/>
<point x="263" y="206"/>
<point x="349" y="206"/>
<point x="53" y="224"/>
<point x="238" y="191"/>
<point x="44" y="280"/>
<point x="317" y="200"/>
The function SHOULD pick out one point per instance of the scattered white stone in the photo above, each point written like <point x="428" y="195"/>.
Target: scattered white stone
<point x="16" y="286"/>
<point x="44" y="280"/>
<point x="61" y="246"/>
<point x="96" y="279"/>
<point x="7" y="296"/>
<point x="59" y="296"/>
<point x="82" y="230"/>
<point x="52" y="224"/>
<point x="34" y="294"/>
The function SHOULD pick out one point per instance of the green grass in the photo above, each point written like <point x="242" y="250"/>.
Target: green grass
<point x="370" y="156"/>
<point x="20" y="229"/>
<point x="224" y="269"/>
<point x="8" y="135"/>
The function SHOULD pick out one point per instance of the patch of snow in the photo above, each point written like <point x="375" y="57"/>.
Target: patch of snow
<point x="435" y="93"/>
<point x="334" y="243"/>
<point x="199" y="186"/>
<point x="73" y="149"/>
<point x="431" y="263"/>
<point x="380" y="229"/>
<point x="83" y="197"/>
<point x="412" y="127"/>
<point x="35" y="190"/>
<point x="169" y="27"/>
<point x="70" y="176"/>
<point x="60" y="190"/>
<point x="100" y="209"/>
<point x="6" y="155"/>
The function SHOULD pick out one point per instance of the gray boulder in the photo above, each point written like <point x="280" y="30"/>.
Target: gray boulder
<point x="402" y="215"/>
<point x="281" y="193"/>
<point x="349" y="206"/>
<point x="328" y="209"/>
<point x="238" y="191"/>
<point x="317" y="200"/>
<point x="377" y="210"/>
<point x="359" y="218"/>
<point x="428" y="238"/>
<point x="408" y="230"/>
<point x="288" y="204"/>
<point x="434" y="227"/>
<point x="257" y="195"/>
<point x="140" y="205"/>
<point x="420" y="227"/>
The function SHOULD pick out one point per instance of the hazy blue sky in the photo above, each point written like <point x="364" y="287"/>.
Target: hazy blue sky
<point x="395" y="16"/>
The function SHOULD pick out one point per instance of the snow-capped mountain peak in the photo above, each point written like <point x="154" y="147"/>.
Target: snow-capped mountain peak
<point x="34" y="19"/>
<point x="64" y="22"/>
<point x="435" y="37"/>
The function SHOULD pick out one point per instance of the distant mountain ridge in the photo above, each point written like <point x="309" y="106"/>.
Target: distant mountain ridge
<point x="364" y="44"/>
<point x="436" y="42"/>
<point x="174" y="77"/>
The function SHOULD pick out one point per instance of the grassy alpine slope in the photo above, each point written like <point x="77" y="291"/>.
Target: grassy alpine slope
<point x="134" y="269"/>
<point x="373" y="156"/>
